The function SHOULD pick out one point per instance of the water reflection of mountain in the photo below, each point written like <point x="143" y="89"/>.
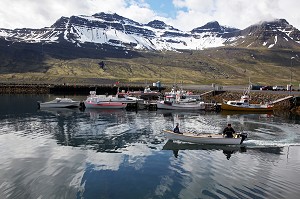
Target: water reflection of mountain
<point x="111" y="143"/>
<point x="102" y="130"/>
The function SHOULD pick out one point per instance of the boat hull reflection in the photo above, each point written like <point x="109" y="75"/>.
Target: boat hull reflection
<point x="228" y="150"/>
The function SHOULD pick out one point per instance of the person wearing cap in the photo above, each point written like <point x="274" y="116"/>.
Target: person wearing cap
<point x="176" y="129"/>
<point x="228" y="131"/>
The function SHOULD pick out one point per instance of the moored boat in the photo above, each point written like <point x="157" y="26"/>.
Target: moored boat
<point x="109" y="101"/>
<point x="59" y="103"/>
<point x="244" y="104"/>
<point x="146" y="94"/>
<point x="181" y="100"/>
<point x="237" y="106"/>
<point x="119" y="97"/>
<point x="206" y="138"/>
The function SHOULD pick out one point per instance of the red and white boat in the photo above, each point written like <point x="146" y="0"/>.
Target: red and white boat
<point x="109" y="101"/>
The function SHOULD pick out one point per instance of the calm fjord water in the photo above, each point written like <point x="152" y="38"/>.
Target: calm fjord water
<point x="67" y="153"/>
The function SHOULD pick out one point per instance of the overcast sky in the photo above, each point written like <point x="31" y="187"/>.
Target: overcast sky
<point x="182" y="14"/>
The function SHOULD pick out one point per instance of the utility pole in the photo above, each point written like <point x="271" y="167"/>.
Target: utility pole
<point x="291" y="74"/>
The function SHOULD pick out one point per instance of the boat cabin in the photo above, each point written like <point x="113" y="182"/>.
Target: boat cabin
<point x="243" y="101"/>
<point x="181" y="97"/>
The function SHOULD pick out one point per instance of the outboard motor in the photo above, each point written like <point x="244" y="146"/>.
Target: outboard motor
<point x="244" y="136"/>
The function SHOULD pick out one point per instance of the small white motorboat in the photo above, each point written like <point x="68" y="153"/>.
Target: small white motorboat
<point x="59" y="103"/>
<point x="206" y="138"/>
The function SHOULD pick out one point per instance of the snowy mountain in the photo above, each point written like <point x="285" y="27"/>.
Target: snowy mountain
<point x="272" y="34"/>
<point x="102" y="30"/>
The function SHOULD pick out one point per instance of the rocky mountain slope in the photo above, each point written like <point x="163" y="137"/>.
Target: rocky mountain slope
<point x="71" y="49"/>
<point x="274" y="34"/>
<point x="101" y="30"/>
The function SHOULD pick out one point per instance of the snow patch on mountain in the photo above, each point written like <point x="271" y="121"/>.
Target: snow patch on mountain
<point x="118" y="31"/>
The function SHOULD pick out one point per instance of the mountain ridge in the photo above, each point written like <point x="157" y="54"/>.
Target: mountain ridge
<point x="71" y="49"/>
<point x="122" y="32"/>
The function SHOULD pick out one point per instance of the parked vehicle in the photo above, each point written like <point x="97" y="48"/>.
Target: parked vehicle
<point x="255" y="87"/>
<point x="278" y="88"/>
<point x="266" y="88"/>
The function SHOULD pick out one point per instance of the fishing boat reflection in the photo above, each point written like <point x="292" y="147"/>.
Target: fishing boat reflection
<point x="170" y="113"/>
<point x="228" y="150"/>
<point x="227" y="112"/>
<point x="95" y="113"/>
<point x="60" y="111"/>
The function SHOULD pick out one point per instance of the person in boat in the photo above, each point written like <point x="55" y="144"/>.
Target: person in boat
<point x="176" y="129"/>
<point x="228" y="131"/>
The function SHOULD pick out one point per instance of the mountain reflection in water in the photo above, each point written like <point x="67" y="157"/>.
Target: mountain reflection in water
<point x="68" y="153"/>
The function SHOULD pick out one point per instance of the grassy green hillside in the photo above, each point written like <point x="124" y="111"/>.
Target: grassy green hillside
<point x="218" y="65"/>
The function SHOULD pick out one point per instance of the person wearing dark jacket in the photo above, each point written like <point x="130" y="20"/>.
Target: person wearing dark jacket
<point x="228" y="131"/>
<point x="176" y="129"/>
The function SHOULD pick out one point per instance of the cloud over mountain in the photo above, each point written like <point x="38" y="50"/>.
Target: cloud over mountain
<point x="117" y="31"/>
<point x="185" y="14"/>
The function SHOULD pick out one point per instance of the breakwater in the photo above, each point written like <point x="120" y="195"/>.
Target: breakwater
<point x="67" y="89"/>
<point x="256" y="98"/>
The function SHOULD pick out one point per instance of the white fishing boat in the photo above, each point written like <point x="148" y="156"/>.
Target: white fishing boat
<point x="181" y="100"/>
<point x="59" y="103"/>
<point x="206" y="138"/>
<point x="119" y="97"/>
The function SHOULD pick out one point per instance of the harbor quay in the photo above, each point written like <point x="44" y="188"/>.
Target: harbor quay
<point x="211" y="97"/>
